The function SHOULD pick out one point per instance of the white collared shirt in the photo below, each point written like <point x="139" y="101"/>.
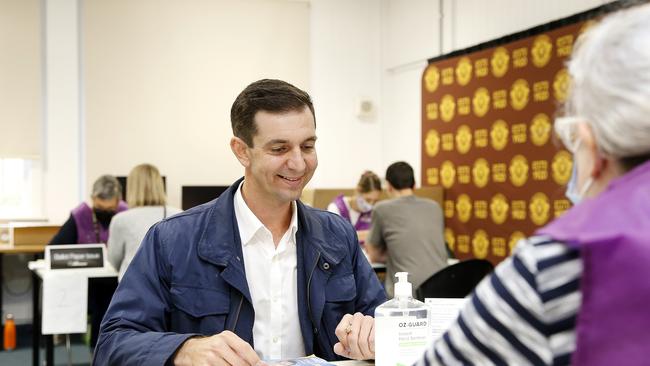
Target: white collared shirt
<point x="271" y="274"/>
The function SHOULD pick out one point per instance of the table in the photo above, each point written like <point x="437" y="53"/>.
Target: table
<point x="39" y="269"/>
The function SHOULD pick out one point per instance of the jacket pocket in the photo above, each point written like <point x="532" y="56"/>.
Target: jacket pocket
<point x="340" y="296"/>
<point x="198" y="310"/>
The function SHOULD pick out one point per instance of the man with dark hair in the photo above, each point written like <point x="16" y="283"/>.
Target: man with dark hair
<point x="406" y="231"/>
<point x="254" y="274"/>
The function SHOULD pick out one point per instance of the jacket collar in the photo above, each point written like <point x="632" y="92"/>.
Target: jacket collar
<point x="219" y="243"/>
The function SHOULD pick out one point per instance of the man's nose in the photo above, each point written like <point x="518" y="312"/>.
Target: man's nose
<point x="296" y="160"/>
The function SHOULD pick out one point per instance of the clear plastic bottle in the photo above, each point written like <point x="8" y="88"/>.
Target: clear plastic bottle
<point x="402" y="327"/>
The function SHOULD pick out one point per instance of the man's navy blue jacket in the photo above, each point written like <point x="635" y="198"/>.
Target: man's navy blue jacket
<point x="188" y="279"/>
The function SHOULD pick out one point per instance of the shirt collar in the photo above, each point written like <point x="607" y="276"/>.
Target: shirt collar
<point x="249" y="224"/>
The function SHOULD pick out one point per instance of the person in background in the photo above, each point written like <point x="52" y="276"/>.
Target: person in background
<point x="577" y="292"/>
<point x="407" y="231"/>
<point x="146" y="198"/>
<point x="358" y="208"/>
<point x="87" y="225"/>
<point x="254" y="274"/>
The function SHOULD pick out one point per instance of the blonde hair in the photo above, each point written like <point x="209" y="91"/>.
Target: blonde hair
<point x="144" y="187"/>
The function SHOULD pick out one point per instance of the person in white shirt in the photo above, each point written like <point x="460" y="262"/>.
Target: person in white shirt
<point x="145" y="194"/>
<point x="254" y="274"/>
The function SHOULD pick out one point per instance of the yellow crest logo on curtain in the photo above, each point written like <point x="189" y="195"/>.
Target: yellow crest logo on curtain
<point x="464" y="71"/>
<point x="499" y="134"/>
<point x="498" y="246"/>
<point x="447" y="107"/>
<point x="450" y="239"/>
<point x="499" y="62"/>
<point x="539" y="208"/>
<point x="518" y="170"/>
<point x="561" y="85"/>
<point x="481" y="172"/>
<point x="449" y="209"/>
<point x="542" y="50"/>
<point x="481" y="102"/>
<point x="432" y="176"/>
<point x="462" y="243"/>
<point x="540" y="129"/>
<point x="432" y="143"/>
<point x="499" y="208"/>
<point x="432" y="111"/>
<point x="447" y="174"/>
<point x="463" y="139"/>
<point x="432" y="79"/>
<point x="480" y="244"/>
<point x="519" y="94"/>
<point x="464" y="207"/>
<point x="562" y="166"/>
<point x="514" y="238"/>
<point x="560" y="206"/>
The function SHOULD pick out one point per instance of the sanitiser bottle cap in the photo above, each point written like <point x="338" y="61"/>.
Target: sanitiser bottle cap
<point x="403" y="288"/>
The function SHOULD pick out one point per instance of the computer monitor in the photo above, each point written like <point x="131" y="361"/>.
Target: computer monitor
<point x="196" y="195"/>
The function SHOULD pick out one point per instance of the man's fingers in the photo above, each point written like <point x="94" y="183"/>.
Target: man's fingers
<point x="243" y="351"/>
<point x="367" y="323"/>
<point x="353" y="336"/>
<point x="343" y="329"/>
<point x="340" y="350"/>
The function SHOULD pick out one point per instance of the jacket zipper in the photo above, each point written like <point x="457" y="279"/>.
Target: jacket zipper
<point x="241" y="301"/>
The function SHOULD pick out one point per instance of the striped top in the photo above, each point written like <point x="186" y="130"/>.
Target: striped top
<point x="522" y="314"/>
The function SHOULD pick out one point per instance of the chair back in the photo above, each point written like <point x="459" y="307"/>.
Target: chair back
<point x="455" y="281"/>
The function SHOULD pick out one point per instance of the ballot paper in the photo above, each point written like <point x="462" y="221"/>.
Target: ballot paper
<point x="443" y="313"/>
<point x="65" y="303"/>
<point x="302" y="361"/>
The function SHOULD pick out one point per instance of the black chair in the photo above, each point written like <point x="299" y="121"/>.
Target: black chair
<point x="455" y="281"/>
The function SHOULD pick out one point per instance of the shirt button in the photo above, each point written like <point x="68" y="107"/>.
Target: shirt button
<point x="275" y="339"/>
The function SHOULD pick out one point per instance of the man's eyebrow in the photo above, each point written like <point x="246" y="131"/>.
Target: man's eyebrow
<point x="281" y="141"/>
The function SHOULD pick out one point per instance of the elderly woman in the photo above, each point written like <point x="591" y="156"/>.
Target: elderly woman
<point x="88" y="225"/>
<point x="578" y="291"/>
<point x="145" y="194"/>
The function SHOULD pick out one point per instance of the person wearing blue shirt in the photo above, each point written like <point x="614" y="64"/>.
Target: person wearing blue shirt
<point x="255" y="274"/>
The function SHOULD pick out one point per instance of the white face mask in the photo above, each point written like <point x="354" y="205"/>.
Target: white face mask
<point x="573" y="192"/>
<point x="363" y="205"/>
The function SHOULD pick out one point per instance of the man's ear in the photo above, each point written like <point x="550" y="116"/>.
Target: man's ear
<point x="598" y="162"/>
<point x="241" y="151"/>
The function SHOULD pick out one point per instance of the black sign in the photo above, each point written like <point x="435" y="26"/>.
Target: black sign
<point x="76" y="258"/>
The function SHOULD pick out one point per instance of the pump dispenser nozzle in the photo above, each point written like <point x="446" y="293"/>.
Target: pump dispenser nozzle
<point x="403" y="288"/>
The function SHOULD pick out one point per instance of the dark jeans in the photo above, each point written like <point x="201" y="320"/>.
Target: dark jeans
<point x="100" y="292"/>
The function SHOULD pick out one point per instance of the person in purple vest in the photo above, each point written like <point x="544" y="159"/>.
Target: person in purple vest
<point x="577" y="292"/>
<point x="90" y="225"/>
<point x="358" y="208"/>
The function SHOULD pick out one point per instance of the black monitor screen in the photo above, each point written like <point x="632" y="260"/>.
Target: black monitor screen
<point x="196" y="195"/>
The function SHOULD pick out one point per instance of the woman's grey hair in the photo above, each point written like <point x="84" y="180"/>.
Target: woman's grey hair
<point x="107" y="187"/>
<point x="610" y="71"/>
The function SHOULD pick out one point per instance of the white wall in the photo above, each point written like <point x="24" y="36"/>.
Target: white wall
<point x="160" y="78"/>
<point x="345" y="68"/>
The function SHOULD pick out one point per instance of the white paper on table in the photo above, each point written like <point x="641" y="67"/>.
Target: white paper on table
<point x="443" y="313"/>
<point x="65" y="303"/>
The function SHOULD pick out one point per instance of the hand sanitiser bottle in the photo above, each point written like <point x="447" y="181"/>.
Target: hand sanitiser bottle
<point x="402" y="327"/>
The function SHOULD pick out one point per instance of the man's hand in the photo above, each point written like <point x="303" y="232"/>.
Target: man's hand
<point x="225" y="348"/>
<point x="356" y="334"/>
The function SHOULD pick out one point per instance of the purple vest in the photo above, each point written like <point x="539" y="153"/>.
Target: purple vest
<point x="83" y="218"/>
<point x="364" y="218"/>
<point x="612" y="232"/>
